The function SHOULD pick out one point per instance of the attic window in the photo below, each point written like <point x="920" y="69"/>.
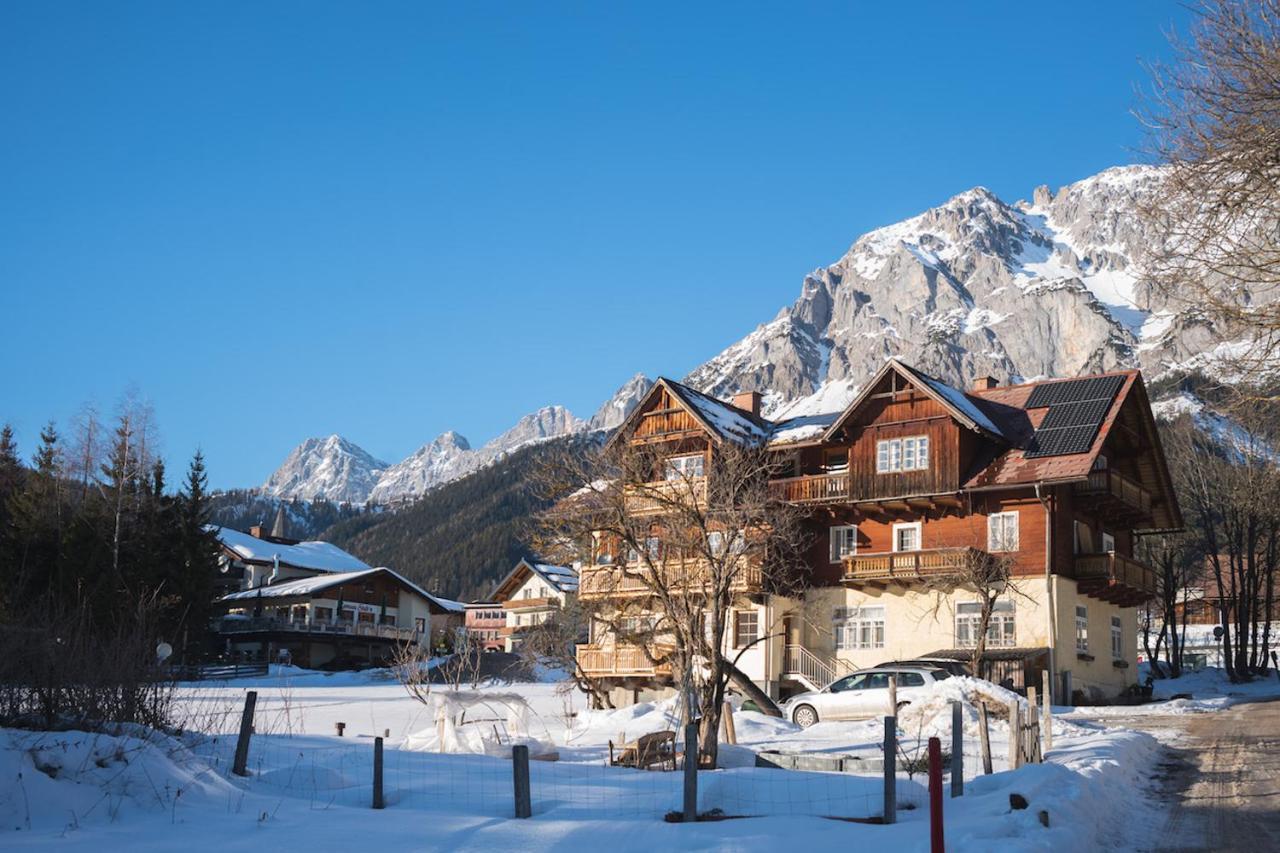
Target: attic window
<point x="683" y="467"/>
<point x="902" y="454"/>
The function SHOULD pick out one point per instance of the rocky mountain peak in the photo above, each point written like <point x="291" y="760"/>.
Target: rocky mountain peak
<point x="331" y="468"/>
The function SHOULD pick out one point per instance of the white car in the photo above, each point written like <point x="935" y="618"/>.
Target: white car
<point x="861" y="695"/>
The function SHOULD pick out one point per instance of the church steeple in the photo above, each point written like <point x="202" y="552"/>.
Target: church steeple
<point x="280" y="529"/>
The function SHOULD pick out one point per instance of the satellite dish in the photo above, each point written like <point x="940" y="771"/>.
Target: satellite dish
<point x="1217" y="632"/>
<point x="163" y="651"/>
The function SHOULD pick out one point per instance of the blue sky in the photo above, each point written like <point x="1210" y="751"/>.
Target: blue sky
<point x="387" y="220"/>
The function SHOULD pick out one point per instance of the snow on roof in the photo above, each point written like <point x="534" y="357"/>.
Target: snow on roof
<point x="318" y="556"/>
<point x="727" y="420"/>
<point x="803" y="428"/>
<point x="957" y="399"/>
<point x="562" y="578"/>
<point x="319" y="583"/>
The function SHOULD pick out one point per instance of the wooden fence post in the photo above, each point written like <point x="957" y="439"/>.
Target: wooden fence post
<point x="691" y="772"/>
<point x="984" y="738"/>
<point x="241" y="765"/>
<point x="1015" y="734"/>
<point x="520" y="777"/>
<point x="730" y="731"/>
<point x="935" y="796"/>
<point x="377" y="773"/>
<point x="890" y="769"/>
<point x="1048" y="710"/>
<point x="957" y="750"/>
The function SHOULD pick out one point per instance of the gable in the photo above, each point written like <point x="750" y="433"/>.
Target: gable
<point x="663" y="416"/>
<point x="900" y="393"/>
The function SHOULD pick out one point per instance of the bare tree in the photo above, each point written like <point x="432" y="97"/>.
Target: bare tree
<point x="1174" y="562"/>
<point x="421" y="673"/>
<point x="989" y="576"/>
<point x="670" y="552"/>
<point x="554" y="642"/>
<point x="1214" y="119"/>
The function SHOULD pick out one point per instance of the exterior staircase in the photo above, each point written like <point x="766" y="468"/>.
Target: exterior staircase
<point x="813" y="671"/>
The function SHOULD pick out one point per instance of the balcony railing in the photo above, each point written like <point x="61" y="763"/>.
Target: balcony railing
<point x="664" y="495"/>
<point x="909" y="566"/>
<point x="1112" y="485"/>
<point x="665" y="422"/>
<point x="528" y="603"/>
<point x="232" y="625"/>
<point x="674" y="575"/>
<point x="799" y="662"/>
<point x="1114" y="575"/>
<point x="814" y="488"/>
<point x="622" y="660"/>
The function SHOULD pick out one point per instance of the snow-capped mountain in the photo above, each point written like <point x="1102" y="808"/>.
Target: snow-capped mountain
<point x="973" y="287"/>
<point x="332" y="468"/>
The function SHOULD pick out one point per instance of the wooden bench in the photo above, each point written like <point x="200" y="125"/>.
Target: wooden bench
<point x="657" y="750"/>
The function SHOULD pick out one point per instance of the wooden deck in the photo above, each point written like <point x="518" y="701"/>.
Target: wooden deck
<point x="610" y="581"/>
<point x="1115" y="578"/>
<point x="1113" y="494"/>
<point x="814" y="488"/>
<point x="622" y="661"/>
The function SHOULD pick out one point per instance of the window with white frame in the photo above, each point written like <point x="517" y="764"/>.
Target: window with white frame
<point x="1000" y="627"/>
<point x="683" y="467"/>
<point x="1117" y="639"/>
<point x="844" y="541"/>
<point x="1002" y="531"/>
<point x="858" y="628"/>
<point x="1082" y="629"/>
<point x="746" y="628"/>
<point x="902" y="454"/>
<point x="1108" y="542"/>
<point x="715" y="543"/>
<point x="906" y="536"/>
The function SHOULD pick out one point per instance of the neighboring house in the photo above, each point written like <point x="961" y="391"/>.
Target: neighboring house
<point x="281" y="595"/>
<point x="484" y="623"/>
<point x="909" y="481"/>
<point x="532" y="593"/>
<point x="335" y="619"/>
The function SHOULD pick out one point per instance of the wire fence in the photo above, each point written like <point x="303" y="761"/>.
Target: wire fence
<point x="324" y="774"/>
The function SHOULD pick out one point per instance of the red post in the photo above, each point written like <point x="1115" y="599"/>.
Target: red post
<point x="935" y="796"/>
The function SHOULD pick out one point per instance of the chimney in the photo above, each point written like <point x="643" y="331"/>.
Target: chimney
<point x="748" y="401"/>
<point x="256" y="531"/>
<point x="985" y="383"/>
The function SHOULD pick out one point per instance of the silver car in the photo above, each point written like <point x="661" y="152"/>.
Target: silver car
<point x="861" y="695"/>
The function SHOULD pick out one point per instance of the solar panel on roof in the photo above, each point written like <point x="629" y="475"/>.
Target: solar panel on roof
<point x="1076" y="412"/>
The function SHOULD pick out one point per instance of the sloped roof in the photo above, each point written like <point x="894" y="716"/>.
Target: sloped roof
<point x="725" y="420"/>
<point x="319" y="583"/>
<point x="316" y="556"/>
<point x="561" y="578"/>
<point x="961" y="406"/>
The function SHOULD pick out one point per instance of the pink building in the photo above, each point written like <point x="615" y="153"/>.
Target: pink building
<point x="484" y="623"/>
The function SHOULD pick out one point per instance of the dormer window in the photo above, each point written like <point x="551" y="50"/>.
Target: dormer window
<point x="683" y="467"/>
<point x="902" y="454"/>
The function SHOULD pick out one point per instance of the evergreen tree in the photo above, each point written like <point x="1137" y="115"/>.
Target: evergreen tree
<point x="199" y="554"/>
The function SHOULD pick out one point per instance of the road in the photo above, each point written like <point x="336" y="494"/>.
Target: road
<point x="1221" y="781"/>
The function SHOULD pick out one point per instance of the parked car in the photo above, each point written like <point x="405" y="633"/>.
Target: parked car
<point x="955" y="667"/>
<point x="861" y="695"/>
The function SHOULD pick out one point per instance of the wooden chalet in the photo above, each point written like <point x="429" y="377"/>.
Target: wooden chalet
<point x="907" y="486"/>
<point x="530" y="594"/>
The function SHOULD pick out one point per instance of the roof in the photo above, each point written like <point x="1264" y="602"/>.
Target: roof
<point x="316" y="556"/>
<point x="725" y="420"/>
<point x="319" y="583"/>
<point x="561" y="578"/>
<point x="963" y="407"/>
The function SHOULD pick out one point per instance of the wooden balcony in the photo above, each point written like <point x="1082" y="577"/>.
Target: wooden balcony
<point x="813" y="488"/>
<point x="636" y="580"/>
<point x="269" y="625"/>
<point x="1110" y="493"/>
<point x="623" y="661"/>
<point x="662" y="423"/>
<point x="907" y="567"/>
<point x="664" y="495"/>
<point x="529" y="603"/>
<point x="1115" y="578"/>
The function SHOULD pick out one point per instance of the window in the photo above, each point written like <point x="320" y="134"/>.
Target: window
<point x="528" y="593"/>
<point x="746" y="628"/>
<point x="1117" y="639"/>
<point x="324" y="614"/>
<point x="1082" y="629"/>
<point x="420" y="624"/>
<point x="683" y="467"/>
<point x="837" y="461"/>
<point x="1002" y="531"/>
<point x="1000" y="628"/>
<point x="910" y="679"/>
<point x="1100" y="462"/>
<point x="653" y="546"/>
<point x="844" y="541"/>
<point x="1108" y="543"/>
<point x="902" y="454"/>
<point x="858" y="628"/>
<point x="715" y="543"/>
<point x="906" y="537"/>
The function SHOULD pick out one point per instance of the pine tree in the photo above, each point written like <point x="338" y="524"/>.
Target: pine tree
<point x="199" y="557"/>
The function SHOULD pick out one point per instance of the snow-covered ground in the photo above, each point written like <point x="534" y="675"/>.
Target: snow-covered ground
<point x="308" y="788"/>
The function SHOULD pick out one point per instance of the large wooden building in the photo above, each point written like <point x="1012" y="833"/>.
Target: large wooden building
<point x="909" y="482"/>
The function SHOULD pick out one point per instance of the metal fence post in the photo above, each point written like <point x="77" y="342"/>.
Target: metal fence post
<point x="377" y="773"/>
<point x="241" y="765"/>
<point x="890" y="769"/>
<point x="520" y="775"/>
<point x="935" y="795"/>
<point x="957" y="750"/>
<point x="691" y="772"/>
